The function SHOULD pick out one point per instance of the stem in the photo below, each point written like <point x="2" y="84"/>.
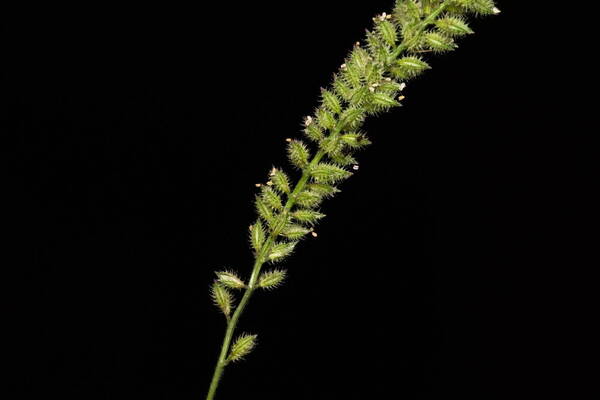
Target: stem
<point x="232" y="323"/>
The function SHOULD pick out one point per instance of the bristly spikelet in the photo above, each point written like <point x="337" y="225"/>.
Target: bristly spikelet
<point x="341" y="88"/>
<point x="307" y="216"/>
<point x="322" y="189"/>
<point x="298" y="154"/>
<point x="281" y="250"/>
<point x="438" y="42"/>
<point x="384" y="101"/>
<point x="325" y="119"/>
<point x="409" y="67"/>
<point x="230" y="280"/>
<point x="308" y="199"/>
<point x="257" y="235"/>
<point x="477" y="7"/>
<point x="294" y="231"/>
<point x="272" y="279"/>
<point x="222" y="298"/>
<point x="263" y="210"/>
<point x="280" y="180"/>
<point x="331" y="101"/>
<point x="355" y="140"/>
<point x="453" y="26"/>
<point x="328" y="173"/>
<point x="271" y="198"/>
<point x="352" y="118"/>
<point x="388" y="32"/>
<point x="242" y="347"/>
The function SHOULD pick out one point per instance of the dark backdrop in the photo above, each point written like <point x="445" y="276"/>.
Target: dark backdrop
<point x="138" y="137"/>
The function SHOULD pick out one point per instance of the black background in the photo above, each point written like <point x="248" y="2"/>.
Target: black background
<point x="137" y="136"/>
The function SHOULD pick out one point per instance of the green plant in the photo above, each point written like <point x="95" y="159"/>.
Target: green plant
<point x="368" y="83"/>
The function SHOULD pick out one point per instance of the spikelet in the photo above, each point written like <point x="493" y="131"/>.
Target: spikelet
<point x="222" y="298"/>
<point x="408" y="67"/>
<point x="257" y="235"/>
<point x="281" y="250"/>
<point x="355" y="140"/>
<point x="325" y="119"/>
<point x="322" y="189"/>
<point x="328" y="173"/>
<point x="230" y="280"/>
<point x="280" y="180"/>
<point x="388" y="32"/>
<point x="307" y="216"/>
<point x="438" y="42"/>
<point x="331" y="101"/>
<point x="294" y="231"/>
<point x="298" y="154"/>
<point x="271" y="279"/>
<point x="477" y="7"/>
<point x="263" y="210"/>
<point x="308" y="199"/>
<point x="271" y="198"/>
<point x="453" y="26"/>
<point x="243" y="345"/>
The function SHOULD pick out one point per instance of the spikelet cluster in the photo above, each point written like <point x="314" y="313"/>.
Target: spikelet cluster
<point x="370" y="81"/>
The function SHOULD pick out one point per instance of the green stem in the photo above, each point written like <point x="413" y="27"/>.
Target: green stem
<point x="232" y="323"/>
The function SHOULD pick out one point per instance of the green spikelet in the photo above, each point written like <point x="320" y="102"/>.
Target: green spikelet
<point x="343" y="159"/>
<point x="279" y="223"/>
<point x="360" y="96"/>
<point x="325" y="119"/>
<point x="298" y="154"/>
<point x="438" y="42"/>
<point x="360" y="59"/>
<point x="377" y="47"/>
<point x="478" y="7"/>
<point x="263" y="210"/>
<point x="314" y="132"/>
<point x="271" y="279"/>
<point x="307" y="216"/>
<point x="352" y="74"/>
<point x="242" y="347"/>
<point x="280" y="180"/>
<point x="271" y="198"/>
<point x="407" y="13"/>
<point x="281" y="250"/>
<point x="322" y="189"/>
<point x="294" y="231"/>
<point x="355" y="140"/>
<point x="230" y="280"/>
<point x="388" y="32"/>
<point x="331" y="145"/>
<point x="341" y="88"/>
<point x="328" y="173"/>
<point x="408" y="67"/>
<point x="351" y="118"/>
<point x="222" y="298"/>
<point x="331" y="101"/>
<point x="453" y="26"/>
<point x="308" y="199"/>
<point x="384" y="101"/>
<point x="257" y="235"/>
